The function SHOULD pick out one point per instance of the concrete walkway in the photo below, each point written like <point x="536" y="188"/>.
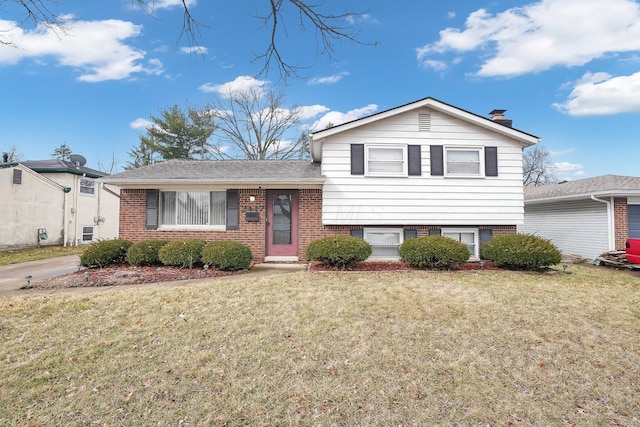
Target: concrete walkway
<point x="13" y="276"/>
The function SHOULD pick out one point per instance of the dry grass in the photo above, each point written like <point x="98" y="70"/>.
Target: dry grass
<point x="15" y="256"/>
<point x="392" y="348"/>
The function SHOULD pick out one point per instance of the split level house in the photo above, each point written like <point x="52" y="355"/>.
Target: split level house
<point x="54" y="202"/>
<point x="424" y="168"/>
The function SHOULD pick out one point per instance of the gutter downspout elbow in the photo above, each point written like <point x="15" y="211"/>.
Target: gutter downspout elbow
<point x="611" y="237"/>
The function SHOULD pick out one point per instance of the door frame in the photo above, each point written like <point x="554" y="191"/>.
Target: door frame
<point x="277" y="252"/>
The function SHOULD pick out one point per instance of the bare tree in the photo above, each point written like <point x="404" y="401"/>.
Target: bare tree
<point x="255" y="124"/>
<point x="536" y="167"/>
<point x="12" y="155"/>
<point x="330" y="28"/>
<point x="111" y="166"/>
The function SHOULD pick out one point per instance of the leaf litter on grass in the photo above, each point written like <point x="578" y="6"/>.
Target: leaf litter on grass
<point x="378" y="348"/>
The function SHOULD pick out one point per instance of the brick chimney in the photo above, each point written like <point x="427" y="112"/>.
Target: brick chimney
<point x="498" y="117"/>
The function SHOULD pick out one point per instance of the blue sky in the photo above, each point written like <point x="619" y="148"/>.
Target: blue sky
<point x="567" y="71"/>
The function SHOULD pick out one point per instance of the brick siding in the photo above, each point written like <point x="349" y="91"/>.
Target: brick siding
<point x="621" y="222"/>
<point x="252" y="234"/>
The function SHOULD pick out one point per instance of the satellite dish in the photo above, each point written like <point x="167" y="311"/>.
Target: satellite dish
<point x="78" y="160"/>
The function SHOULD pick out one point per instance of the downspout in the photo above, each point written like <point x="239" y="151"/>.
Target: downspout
<point x="611" y="237"/>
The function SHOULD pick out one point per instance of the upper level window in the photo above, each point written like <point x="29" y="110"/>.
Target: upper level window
<point x="463" y="161"/>
<point x="386" y="161"/>
<point x="87" y="186"/>
<point x="193" y="208"/>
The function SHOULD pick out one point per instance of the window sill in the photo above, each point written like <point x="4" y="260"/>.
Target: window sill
<point x="193" y="228"/>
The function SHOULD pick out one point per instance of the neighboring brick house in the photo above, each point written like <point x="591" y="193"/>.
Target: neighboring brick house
<point x="585" y="217"/>
<point x="422" y="168"/>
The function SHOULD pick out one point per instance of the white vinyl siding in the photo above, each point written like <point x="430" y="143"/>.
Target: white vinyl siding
<point x="425" y="199"/>
<point x="577" y="228"/>
<point x="192" y="208"/>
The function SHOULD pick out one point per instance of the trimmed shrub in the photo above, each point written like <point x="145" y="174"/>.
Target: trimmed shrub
<point x="181" y="253"/>
<point x="433" y="252"/>
<point x="227" y="255"/>
<point x="338" y="251"/>
<point x="105" y="253"/>
<point x="521" y="251"/>
<point x="145" y="252"/>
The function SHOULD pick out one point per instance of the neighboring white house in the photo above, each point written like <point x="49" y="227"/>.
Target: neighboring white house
<point x="585" y="217"/>
<point x="55" y="202"/>
<point x="420" y="169"/>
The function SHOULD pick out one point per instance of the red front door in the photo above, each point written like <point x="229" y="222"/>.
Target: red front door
<point x="282" y="222"/>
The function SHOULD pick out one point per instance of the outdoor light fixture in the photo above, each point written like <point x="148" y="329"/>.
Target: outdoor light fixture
<point x="252" y="198"/>
<point x="564" y="267"/>
<point x="28" y="278"/>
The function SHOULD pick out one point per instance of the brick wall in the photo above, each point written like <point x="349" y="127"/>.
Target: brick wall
<point x="252" y="234"/>
<point x="621" y="222"/>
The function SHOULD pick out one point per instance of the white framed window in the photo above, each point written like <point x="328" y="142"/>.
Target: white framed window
<point x="384" y="242"/>
<point x="468" y="236"/>
<point x="386" y="160"/>
<point x="87" y="187"/>
<point x="461" y="161"/>
<point x="193" y="208"/>
<point x="87" y="233"/>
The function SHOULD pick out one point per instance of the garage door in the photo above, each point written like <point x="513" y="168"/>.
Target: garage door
<point x="634" y="221"/>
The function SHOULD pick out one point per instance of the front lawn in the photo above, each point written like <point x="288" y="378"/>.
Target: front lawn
<point x="339" y="348"/>
<point x="15" y="256"/>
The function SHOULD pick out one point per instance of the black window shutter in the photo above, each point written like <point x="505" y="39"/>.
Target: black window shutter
<point x="435" y="232"/>
<point x="357" y="159"/>
<point x="415" y="161"/>
<point x="410" y="234"/>
<point x="151" y="218"/>
<point x="491" y="161"/>
<point x="357" y="232"/>
<point x="232" y="210"/>
<point x="437" y="160"/>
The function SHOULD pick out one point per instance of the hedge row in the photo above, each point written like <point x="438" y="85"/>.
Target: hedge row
<point x="220" y="254"/>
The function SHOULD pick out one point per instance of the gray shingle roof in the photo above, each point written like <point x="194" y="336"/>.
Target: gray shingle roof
<point x="602" y="186"/>
<point x="57" y="165"/>
<point x="222" y="171"/>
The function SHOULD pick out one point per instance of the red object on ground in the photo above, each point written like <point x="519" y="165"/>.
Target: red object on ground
<point x="633" y="251"/>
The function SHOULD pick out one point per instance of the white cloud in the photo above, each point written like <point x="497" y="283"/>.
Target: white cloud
<point x="239" y="84"/>
<point x="542" y="35"/>
<point x="567" y="171"/>
<point x="168" y="4"/>
<point x="603" y="94"/>
<point x="435" y="64"/>
<point x="451" y="15"/>
<point x="200" y="50"/>
<point x="562" y="153"/>
<point x="310" y="111"/>
<point x="336" y="118"/>
<point x="328" y="79"/>
<point x="365" y="17"/>
<point x="140" y="123"/>
<point x="95" y="48"/>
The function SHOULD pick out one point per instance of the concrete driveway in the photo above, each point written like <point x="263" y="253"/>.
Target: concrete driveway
<point x="12" y="277"/>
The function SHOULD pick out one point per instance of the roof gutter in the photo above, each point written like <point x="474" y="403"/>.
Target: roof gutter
<point x="611" y="236"/>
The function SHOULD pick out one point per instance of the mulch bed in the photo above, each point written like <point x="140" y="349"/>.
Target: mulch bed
<point x="129" y="275"/>
<point x="399" y="266"/>
<point x="125" y="275"/>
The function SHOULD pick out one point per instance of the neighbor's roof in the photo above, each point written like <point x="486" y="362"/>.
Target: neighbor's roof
<point x="57" y="165"/>
<point x="600" y="186"/>
<point x="259" y="172"/>
<point x="525" y="138"/>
